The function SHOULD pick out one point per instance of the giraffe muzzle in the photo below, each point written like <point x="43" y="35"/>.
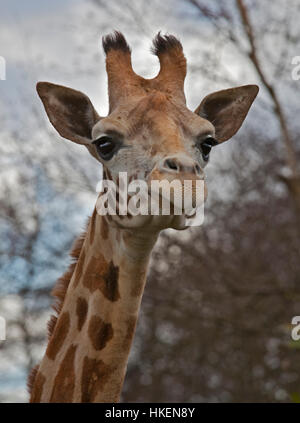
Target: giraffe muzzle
<point x="188" y="176"/>
<point x="181" y="166"/>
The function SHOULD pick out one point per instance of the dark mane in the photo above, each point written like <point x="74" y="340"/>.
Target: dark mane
<point x="115" y="41"/>
<point x="62" y="284"/>
<point x="163" y="43"/>
<point x="59" y="292"/>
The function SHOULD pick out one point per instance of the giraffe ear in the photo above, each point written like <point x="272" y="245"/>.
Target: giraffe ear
<point x="227" y="109"/>
<point x="70" y="112"/>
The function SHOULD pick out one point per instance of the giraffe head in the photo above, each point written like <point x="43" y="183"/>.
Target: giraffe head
<point x="149" y="131"/>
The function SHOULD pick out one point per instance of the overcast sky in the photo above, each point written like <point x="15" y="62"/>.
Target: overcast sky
<point x="49" y="39"/>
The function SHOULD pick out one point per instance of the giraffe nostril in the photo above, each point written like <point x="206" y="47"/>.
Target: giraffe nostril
<point x="198" y="169"/>
<point x="171" y="164"/>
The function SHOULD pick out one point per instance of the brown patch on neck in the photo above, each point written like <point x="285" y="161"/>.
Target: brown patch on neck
<point x="93" y="274"/>
<point x="81" y="311"/>
<point x="131" y="325"/>
<point x="59" y="335"/>
<point x="64" y="382"/>
<point x="111" y="288"/>
<point x="103" y="276"/>
<point x="100" y="333"/>
<point x="38" y="380"/>
<point x="93" y="226"/>
<point x="104" y="228"/>
<point x="95" y="374"/>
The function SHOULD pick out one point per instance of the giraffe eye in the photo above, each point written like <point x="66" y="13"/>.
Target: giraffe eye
<point x="106" y="147"/>
<point x="205" y="146"/>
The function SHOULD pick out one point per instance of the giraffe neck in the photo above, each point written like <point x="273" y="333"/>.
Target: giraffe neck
<point x="87" y="353"/>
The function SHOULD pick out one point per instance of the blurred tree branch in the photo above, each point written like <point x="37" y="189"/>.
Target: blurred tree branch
<point x="293" y="182"/>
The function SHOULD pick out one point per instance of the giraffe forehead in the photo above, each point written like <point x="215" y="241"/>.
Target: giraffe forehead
<point x="155" y="124"/>
<point x="162" y="124"/>
<point x="155" y="112"/>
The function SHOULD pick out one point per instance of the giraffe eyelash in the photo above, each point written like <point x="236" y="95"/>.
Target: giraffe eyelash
<point x="205" y="145"/>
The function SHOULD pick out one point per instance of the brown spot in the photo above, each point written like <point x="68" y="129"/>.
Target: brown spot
<point x="94" y="270"/>
<point x="93" y="226"/>
<point x="110" y="288"/>
<point x="59" y="335"/>
<point x="103" y="276"/>
<point x="64" y="382"/>
<point x="37" y="388"/>
<point x="104" y="228"/>
<point x="81" y="311"/>
<point x="95" y="374"/>
<point x="100" y="333"/>
<point x="131" y="324"/>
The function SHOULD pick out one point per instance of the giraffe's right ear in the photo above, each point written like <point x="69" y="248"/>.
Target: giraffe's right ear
<point x="227" y="109"/>
<point x="70" y="112"/>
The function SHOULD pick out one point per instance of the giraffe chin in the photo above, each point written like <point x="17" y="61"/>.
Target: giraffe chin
<point x="177" y="216"/>
<point x="149" y="223"/>
<point x="155" y="223"/>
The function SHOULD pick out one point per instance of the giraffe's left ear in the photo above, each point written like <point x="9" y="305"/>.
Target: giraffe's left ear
<point x="70" y="112"/>
<point x="227" y="109"/>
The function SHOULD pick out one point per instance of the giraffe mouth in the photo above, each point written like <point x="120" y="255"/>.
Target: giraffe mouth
<point x="184" y="191"/>
<point x="165" y="197"/>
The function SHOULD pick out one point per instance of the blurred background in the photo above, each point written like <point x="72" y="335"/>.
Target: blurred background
<point x="215" y="322"/>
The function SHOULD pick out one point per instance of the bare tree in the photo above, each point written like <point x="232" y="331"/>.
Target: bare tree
<point x="256" y="51"/>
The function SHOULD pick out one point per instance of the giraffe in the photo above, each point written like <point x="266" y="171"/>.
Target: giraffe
<point x="149" y="132"/>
